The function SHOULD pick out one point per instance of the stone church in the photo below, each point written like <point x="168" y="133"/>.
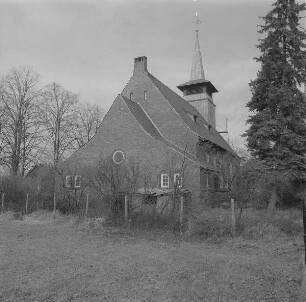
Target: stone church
<point x="151" y="124"/>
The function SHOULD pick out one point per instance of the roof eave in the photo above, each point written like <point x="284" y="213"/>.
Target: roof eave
<point x="204" y="83"/>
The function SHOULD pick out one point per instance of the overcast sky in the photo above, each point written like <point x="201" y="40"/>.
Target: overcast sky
<point x="88" y="46"/>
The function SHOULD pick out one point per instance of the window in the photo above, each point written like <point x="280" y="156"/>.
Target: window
<point x="207" y="158"/>
<point x="131" y="96"/>
<point x="68" y="182"/>
<point x="118" y="157"/>
<point x="177" y="179"/>
<point x="77" y="181"/>
<point x="145" y="95"/>
<point x="164" y="181"/>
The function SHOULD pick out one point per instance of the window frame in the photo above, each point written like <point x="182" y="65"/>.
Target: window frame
<point x="68" y="181"/>
<point x="177" y="180"/>
<point x="145" y="95"/>
<point x="162" y="183"/>
<point x="131" y="96"/>
<point x="77" y="178"/>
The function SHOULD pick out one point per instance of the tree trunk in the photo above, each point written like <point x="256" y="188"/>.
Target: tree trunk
<point x="272" y="201"/>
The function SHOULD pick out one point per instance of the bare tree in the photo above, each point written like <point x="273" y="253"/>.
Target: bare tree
<point x="19" y="134"/>
<point x="89" y="119"/>
<point x="58" y="118"/>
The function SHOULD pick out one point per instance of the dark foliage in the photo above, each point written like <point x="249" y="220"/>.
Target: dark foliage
<point x="277" y="132"/>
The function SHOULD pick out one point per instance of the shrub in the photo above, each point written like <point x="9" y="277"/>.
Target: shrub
<point x="252" y="224"/>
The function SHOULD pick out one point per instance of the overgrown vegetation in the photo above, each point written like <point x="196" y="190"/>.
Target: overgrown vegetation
<point x="277" y="132"/>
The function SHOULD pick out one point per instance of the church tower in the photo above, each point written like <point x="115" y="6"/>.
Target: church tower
<point x="199" y="91"/>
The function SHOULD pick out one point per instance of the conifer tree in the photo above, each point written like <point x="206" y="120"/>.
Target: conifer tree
<point x="277" y="132"/>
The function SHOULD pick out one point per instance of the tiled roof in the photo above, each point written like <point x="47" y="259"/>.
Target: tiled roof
<point x="144" y="120"/>
<point x="187" y="112"/>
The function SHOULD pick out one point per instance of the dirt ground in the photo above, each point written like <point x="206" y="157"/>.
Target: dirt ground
<point x="59" y="262"/>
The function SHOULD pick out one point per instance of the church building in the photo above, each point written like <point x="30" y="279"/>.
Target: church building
<point x="151" y="124"/>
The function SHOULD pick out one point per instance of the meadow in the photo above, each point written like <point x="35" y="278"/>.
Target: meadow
<point x="68" y="258"/>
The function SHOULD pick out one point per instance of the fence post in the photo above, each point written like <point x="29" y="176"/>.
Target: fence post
<point x="126" y="211"/>
<point x="303" y="284"/>
<point x="54" y="204"/>
<point x="87" y="197"/>
<point x="233" y="217"/>
<point x="182" y="210"/>
<point x="2" y="203"/>
<point x="27" y="201"/>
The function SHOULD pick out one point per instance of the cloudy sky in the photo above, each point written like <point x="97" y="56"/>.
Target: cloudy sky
<point x="88" y="46"/>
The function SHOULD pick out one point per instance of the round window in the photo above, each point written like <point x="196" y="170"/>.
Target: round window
<point x="118" y="157"/>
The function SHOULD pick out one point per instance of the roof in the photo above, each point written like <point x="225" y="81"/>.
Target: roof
<point x="145" y="122"/>
<point x="196" y="83"/>
<point x="186" y="111"/>
<point x="197" y="70"/>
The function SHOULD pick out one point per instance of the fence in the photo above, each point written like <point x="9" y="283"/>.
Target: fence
<point x="146" y="210"/>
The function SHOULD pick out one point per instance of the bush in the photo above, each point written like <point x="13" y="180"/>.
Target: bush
<point x="216" y="223"/>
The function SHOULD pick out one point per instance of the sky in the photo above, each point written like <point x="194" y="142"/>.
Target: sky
<point x="88" y="46"/>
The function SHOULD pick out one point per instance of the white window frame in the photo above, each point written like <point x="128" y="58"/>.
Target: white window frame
<point x="177" y="180"/>
<point x="164" y="180"/>
<point x="68" y="181"/>
<point x="145" y="95"/>
<point x="77" y="181"/>
<point x="131" y="96"/>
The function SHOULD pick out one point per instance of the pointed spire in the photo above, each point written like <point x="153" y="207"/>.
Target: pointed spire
<point x="197" y="70"/>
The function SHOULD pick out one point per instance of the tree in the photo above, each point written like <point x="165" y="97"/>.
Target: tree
<point x="89" y="119"/>
<point x="277" y="132"/>
<point x="20" y="132"/>
<point x="58" y="118"/>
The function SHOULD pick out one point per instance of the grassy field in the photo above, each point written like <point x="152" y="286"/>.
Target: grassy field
<point x="58" y="260"/>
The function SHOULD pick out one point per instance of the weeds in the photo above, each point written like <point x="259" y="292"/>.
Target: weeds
<point x="252" y="224"/>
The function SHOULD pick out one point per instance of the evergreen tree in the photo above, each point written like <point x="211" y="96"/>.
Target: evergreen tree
<point x="277" y="132"/>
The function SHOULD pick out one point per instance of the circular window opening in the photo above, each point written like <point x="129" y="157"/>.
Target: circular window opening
<point x="118" y="157"/>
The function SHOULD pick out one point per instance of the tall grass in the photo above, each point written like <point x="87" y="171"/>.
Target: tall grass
<point x="252" y="223"/>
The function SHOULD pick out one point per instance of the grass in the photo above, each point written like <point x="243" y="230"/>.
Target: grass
<point x="56" y="259"/>
<point x="252" y="224"/>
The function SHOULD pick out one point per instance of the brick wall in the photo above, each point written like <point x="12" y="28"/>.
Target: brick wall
<point x="160" y="111"/>
<point x="121" y="131"/>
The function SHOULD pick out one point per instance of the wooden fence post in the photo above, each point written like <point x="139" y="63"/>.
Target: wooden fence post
<point x="304" y="223"/>
<point x="182" y="209"/>
<point x="87" y="197"/>
<point x="54" y="204"/>
<point x="233" y="217"/>
<point x="126" y="211"/>
<point x="2" y="202"/>
<point x="27" y="201"/>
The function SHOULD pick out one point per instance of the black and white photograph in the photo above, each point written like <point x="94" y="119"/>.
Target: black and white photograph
<point x="152" y="150"/>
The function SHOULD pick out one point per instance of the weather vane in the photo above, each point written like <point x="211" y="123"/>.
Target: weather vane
<point x="197" y="21"/>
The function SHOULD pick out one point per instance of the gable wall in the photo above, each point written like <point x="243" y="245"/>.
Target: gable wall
<point x="121" y="131"/>
<point x="161" y="112"/>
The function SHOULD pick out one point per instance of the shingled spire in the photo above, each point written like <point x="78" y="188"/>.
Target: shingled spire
<point x="197" y="70"/>
<point x="199" y="91"/>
